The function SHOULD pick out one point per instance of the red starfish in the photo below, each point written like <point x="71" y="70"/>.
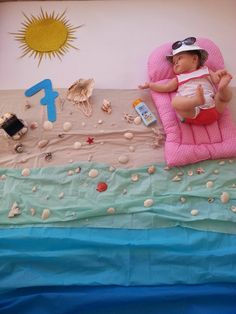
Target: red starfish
<point x="90" y="140"/>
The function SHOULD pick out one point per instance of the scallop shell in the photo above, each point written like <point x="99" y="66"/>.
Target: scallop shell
<point x="123" y="159"/>
<point x="25" y="172"/>
<point x="111" y="210"/>
<point x="129" y="135"/>
<point x="151" y="169"/>
<point x="67" y="126"/>
<point x="77" y="145"/>
<point x="224" y="197"/>
<point x="209" y="184"/>
<point x="194" y="212"/>
<point x="137" y="120"/>
<point x="93" y="173"/>
<point x="45" y="214"/>
<point x="32" y="211"/>
<point x="148" y="202"/>
<point x="43" y="143"/>
<point x="134" y="177"/>
<point x="47" y="125"/>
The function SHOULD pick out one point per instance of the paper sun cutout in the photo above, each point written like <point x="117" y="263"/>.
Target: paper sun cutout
<point x="46" y="35"/>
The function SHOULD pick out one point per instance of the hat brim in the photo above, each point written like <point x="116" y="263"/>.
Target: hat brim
<point x="203" y="53"/>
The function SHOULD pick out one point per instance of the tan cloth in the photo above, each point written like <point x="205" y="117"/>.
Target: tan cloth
<point x="107" y="130"/>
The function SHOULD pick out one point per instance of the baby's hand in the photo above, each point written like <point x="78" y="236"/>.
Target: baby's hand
<point x="144" y="86"/>
<point x="218" y="75"/>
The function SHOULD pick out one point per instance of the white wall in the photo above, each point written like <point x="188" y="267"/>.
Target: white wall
<point x="116" y="40"/>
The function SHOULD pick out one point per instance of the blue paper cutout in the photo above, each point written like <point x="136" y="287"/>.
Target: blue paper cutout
<point x="49" y="98"/>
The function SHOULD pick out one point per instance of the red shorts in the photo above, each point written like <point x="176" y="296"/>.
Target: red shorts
<point x="205" y="116"/>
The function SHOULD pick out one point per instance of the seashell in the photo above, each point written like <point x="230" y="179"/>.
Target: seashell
<point x="32" y="211"/>
<point x="190" y="173"/>
<point x="83" y="124"/>
<point x="125" y="191"/>
<point x="111" y="169"/>
<point x="111" y="210"/>
<point x="34" y="188"/>
<point x="200" y="170"/>
<point x="3" y="177"/>
<point x="93" y="173"/>
<point x="45" y="214"/>
<point x="216" y="171"/>
<point x="131" y="148"/>
<point x="182" y="199"/>
<point x="233" y="208"/>
<point x="67" y="126"/>
<point x="231" y="161"/>
<point x="166" y="168"/>
<point x="148" y="202"/>
<point x="101" y="186"/>
<point x="100" y="121"/>
<point x="135" y="177"/>
<point x="47" y="125"/>
<point x="129" y="135"/>
<point x="48" y="156"/>
<point x="194" y="212"/>
<point x="25" y="172"/>
<point x="70" y="173"/>
<point x="33" y="125"/>
<point x="61" y="195"/>
<point x="224" y="197"/>
<point x="71" y="161"/>
<point x="210" y="199"/>
<point x="14" y="211"/>
<point x="123" y="159"/>
<point x="43" y="143"/>
<point x="19" y="148"/>
<point x="180" y="174"/>
<point x="176" y="179"/>
<point x="151" y="169"/>
<point x="209" y="184"/>
<point x="106" y="106"/>
<point x="77" y="145"/>
<point x="77" y="170"/>
<point x="233" y="185"/>
<point x="189" y="188"/>
<point x="137" y="120"/>
<point x="221" y="163"/>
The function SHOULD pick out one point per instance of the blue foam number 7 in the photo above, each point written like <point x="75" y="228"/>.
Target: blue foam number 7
<point x="49" y="98"/>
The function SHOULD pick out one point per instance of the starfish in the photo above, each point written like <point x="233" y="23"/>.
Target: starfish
<point x="90" y="140"/>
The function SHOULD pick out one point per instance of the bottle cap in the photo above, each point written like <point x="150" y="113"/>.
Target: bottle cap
<point x="137" y="101"/>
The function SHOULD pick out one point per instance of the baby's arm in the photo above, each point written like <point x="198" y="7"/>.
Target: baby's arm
<point x="168" y="87"/>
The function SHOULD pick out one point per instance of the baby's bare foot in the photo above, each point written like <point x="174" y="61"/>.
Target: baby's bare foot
<point x="224" y="81"/>
<point x="199" y="96"/>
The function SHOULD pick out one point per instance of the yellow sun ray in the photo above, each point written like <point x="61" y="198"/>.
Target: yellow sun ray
<point x="46" y="35"/>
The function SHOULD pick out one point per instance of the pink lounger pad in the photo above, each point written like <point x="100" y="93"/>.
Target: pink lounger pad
<point x="187" y="144"/>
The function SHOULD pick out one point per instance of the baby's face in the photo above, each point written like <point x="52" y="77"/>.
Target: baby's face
<point x="184" y="62"/>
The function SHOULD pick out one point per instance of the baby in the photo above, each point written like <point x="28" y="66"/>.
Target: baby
<point x="197" y="100"/>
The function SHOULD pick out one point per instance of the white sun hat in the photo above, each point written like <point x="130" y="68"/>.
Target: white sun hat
<point x="188" y="44"/>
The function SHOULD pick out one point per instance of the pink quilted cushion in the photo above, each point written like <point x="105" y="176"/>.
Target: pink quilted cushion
<point x="186" y="144"/>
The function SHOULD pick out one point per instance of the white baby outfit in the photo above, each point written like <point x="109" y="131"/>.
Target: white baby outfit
<point x="188" y="83"/>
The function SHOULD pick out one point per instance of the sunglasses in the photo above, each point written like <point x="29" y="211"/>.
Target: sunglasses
<point x="187" y="41"/>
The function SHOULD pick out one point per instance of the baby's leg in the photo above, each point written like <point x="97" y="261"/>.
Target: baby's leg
<point x="185" y="106"/>
<point x="224" y="93"/>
